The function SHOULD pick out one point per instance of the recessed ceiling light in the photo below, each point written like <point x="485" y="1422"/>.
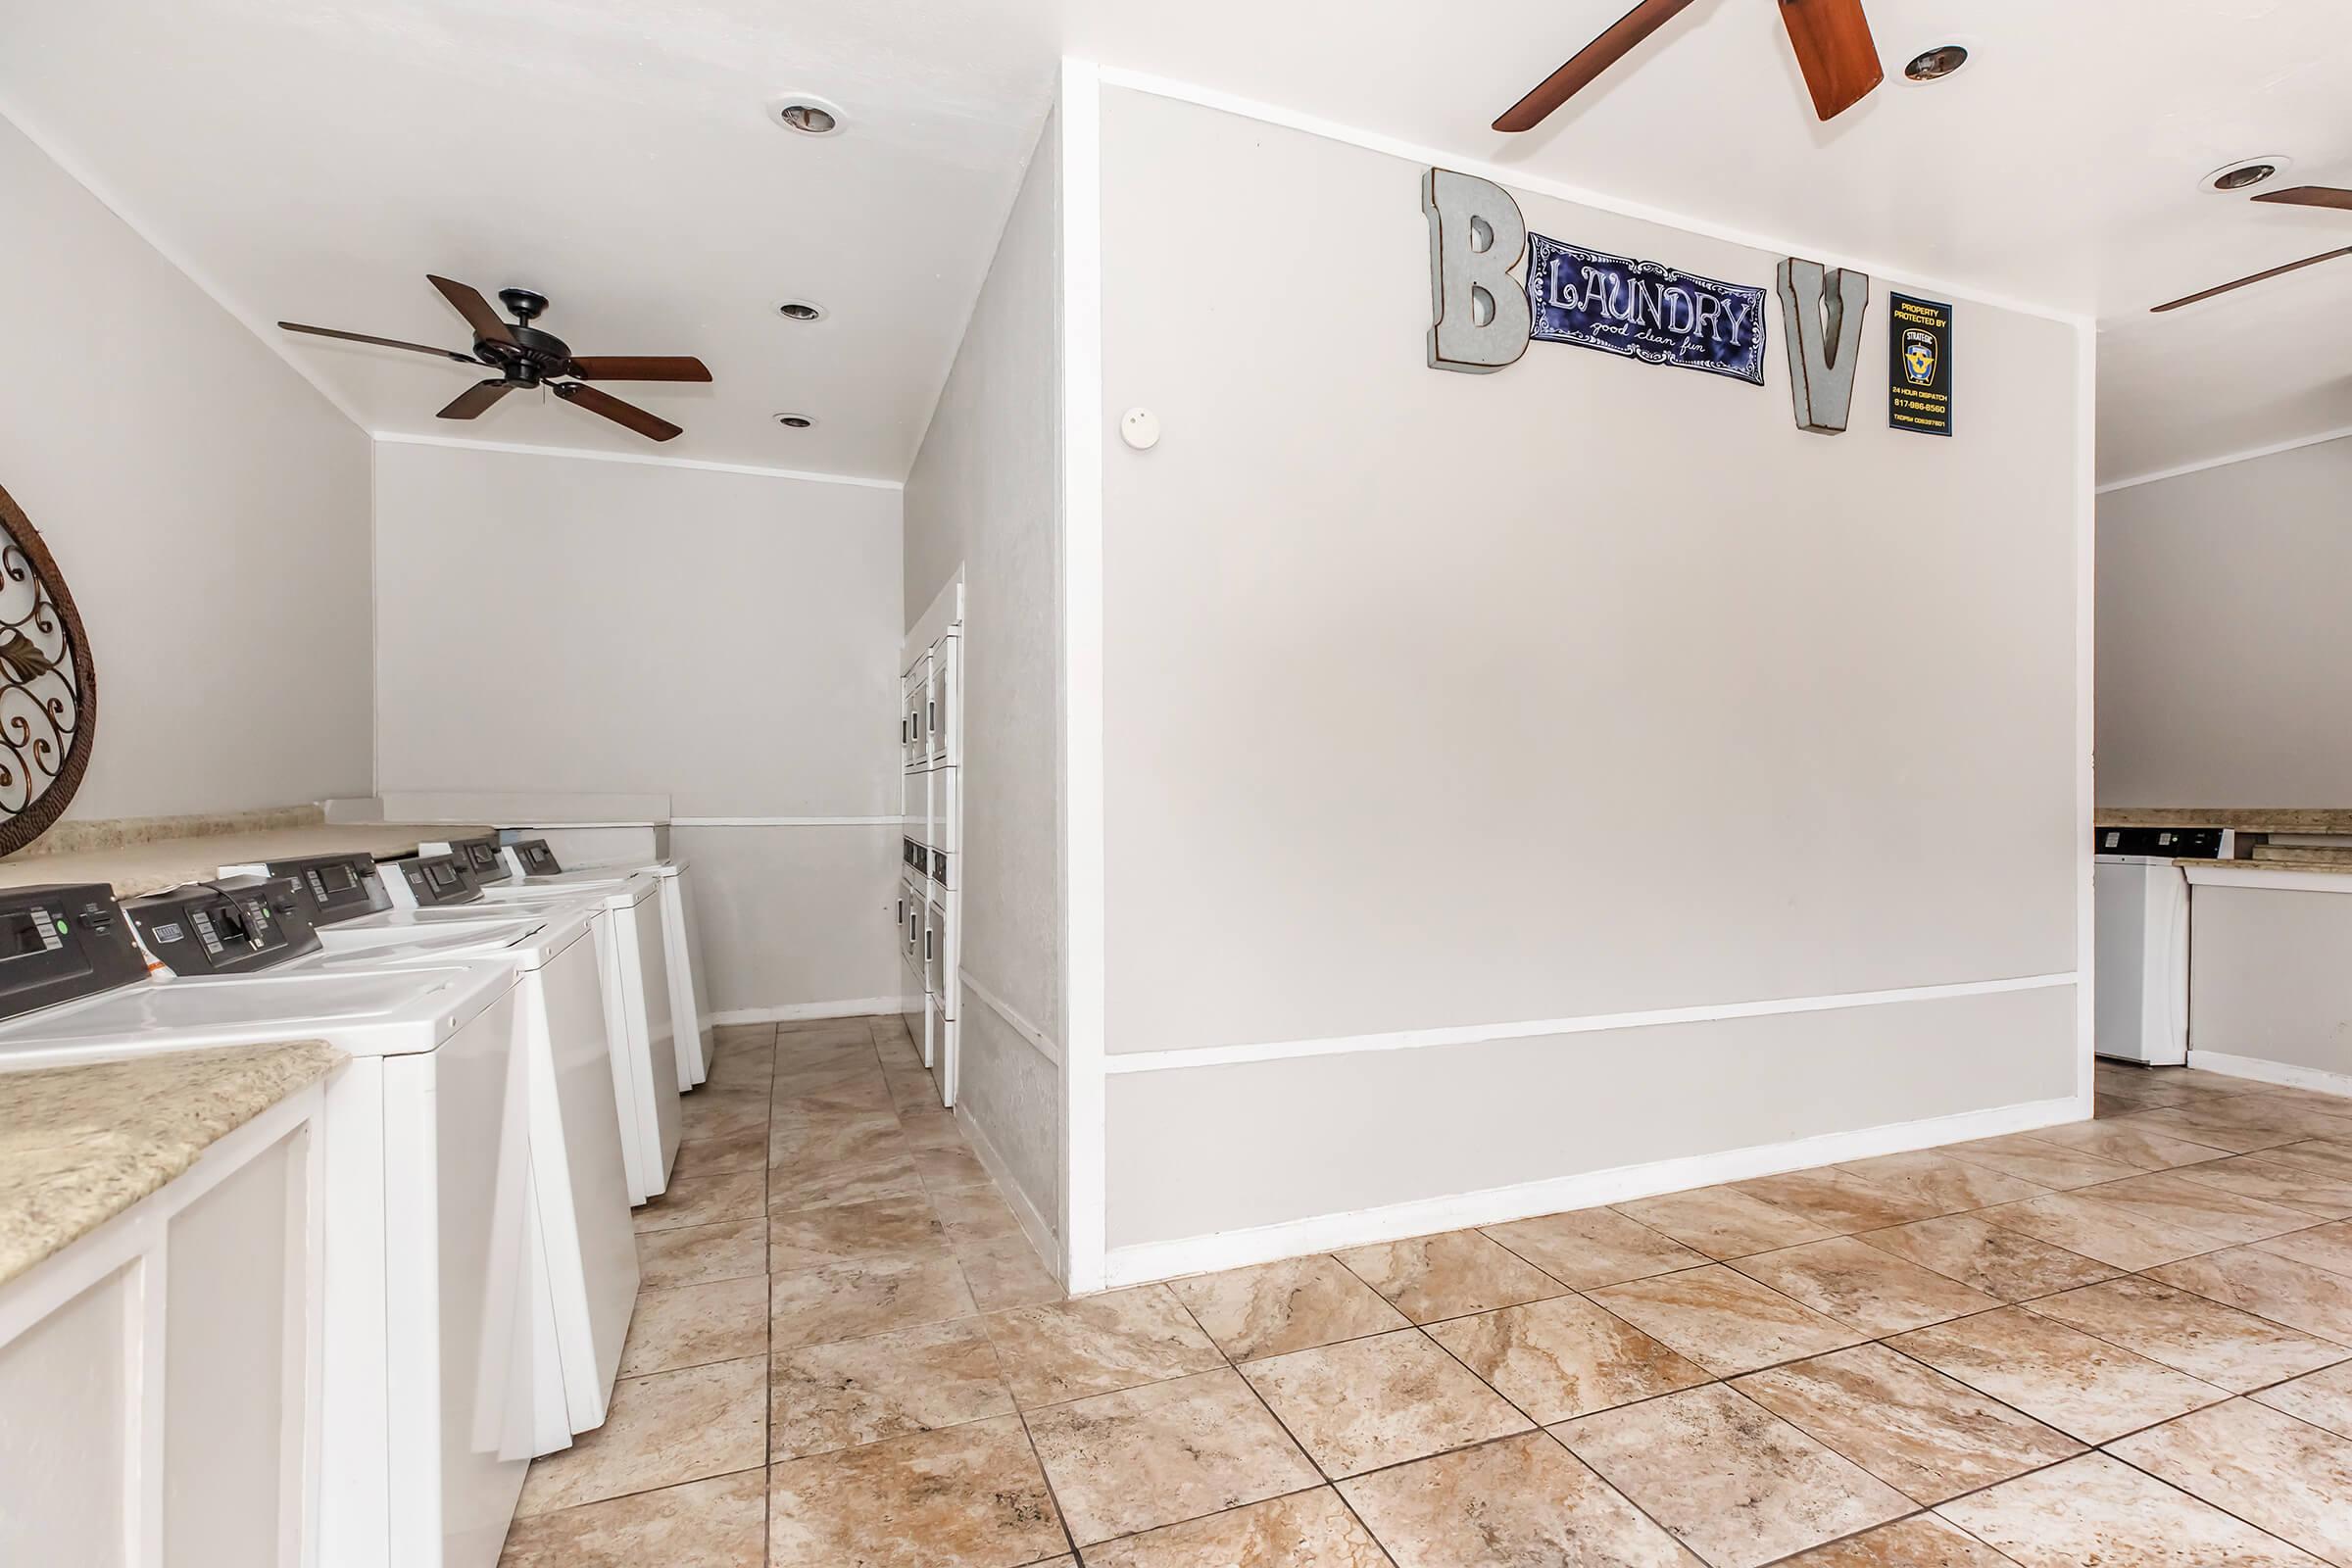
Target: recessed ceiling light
<point x="1933" y="65"/>
<point x="806" y="112"/>
<point x="800" y="311"/>
<point x="795" y="421"/>
<point x="2247" y="173"/>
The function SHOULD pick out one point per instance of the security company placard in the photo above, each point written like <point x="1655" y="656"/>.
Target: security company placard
<point x="1644" y="310"/>
<point x="1919" y="369"/>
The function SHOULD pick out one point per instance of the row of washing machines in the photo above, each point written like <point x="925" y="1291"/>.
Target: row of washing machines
<point x="519" y="1036"/>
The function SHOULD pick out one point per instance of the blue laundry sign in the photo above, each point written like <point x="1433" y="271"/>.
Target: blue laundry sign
<point x="1644" y="310"/>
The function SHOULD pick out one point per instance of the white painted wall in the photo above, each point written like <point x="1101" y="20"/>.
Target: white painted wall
<point x="564" y="625"/>
<point x="2270" y="992"/>
<point x="2224" y="652"/>
<point x="983" y="495"/>
<point x="208" y="508"/>
<point x="1439" y="701"/>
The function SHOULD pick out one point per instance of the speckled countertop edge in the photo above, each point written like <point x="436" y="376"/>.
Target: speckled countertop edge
<point x="81" y="1145"/>
<point x="2245" y="818"/>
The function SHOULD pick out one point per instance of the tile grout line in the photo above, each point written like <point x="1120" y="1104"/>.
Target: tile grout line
<point x="1728" y="1380"/>
<point x="1535" y="1427"/>
<point x="2166" y="1481"/>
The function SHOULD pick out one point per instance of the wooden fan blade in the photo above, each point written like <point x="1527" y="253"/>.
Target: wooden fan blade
<point x="381" y="342"/>
<point x="675" y="367"/>
<point x="469" y="404"/>
<point x="2312" y="196"/>
<point x="1836" y="52"/>
<point x="612" y="408"/>
<point x="1599" y="55"/>
<point x="477" y="310"/>
<point x="2258" y="278"/>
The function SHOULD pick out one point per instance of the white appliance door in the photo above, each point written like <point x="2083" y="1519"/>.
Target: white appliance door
<point x="689" y="986"/>
<point x="589" y="1246"/>
<point x="651" y="1046"/>
<point x="2141" y="910"/>
<point x="661" y="1030"/>
<point x="457" y="1163"/>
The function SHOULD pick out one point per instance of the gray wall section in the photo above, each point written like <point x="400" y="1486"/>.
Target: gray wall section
<point x="985" y="493"/>
<point x="725" y="639"/>
<point x="557" y="624"/>
<point x="2267" y="977"/>
<point x="1436" y="699"/>
<point x="2224" y="652"/>
<point x="797" y="915"/>
<point x="1014" y="1094"/>
<point x="1199" y="1151"/>
<point x="208" y="508"/>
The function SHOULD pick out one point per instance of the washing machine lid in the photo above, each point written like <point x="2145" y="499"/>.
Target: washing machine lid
<point x="608" y="892"/>
<point x="527" y="942"/>
<point x="586" y="874"/>
<point x="450" y="918"/>
<point x="384" y="1014"/>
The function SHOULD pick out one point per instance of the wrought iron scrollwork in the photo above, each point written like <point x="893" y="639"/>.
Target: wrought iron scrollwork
<point x="48" y="690"/>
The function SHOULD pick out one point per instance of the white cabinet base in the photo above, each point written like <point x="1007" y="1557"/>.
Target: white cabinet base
<point x="160" y="1378"/>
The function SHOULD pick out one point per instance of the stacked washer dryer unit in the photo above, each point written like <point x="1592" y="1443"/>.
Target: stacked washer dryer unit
<point x="930" y="874"/>
<point x="580" y="1239"/>
<point x="426" y="1374"/>
<point x="427" y="888"/>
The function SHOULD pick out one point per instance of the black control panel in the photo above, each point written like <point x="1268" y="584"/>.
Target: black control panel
<point x="536" y="857"/>
<point x="63" y="941"/>
<point x="482" y="859"/>
<point x="334" y="887"/>
<point x="2169" y="843"/>
<point x="234" y="926"/>
<point x="434" y="880"/>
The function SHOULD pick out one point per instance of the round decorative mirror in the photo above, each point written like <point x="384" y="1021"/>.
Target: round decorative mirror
<point x="48" y="691"/>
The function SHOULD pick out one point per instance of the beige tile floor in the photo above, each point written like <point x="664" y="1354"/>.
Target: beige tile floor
<point x="2123" y="1343"/>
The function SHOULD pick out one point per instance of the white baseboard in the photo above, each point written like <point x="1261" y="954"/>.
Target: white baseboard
<point x="2282" y="1073"/>
<point x="1144" y="1261"/>
<point x="796" y="1011"/>
<point x="1016" y="1198"/>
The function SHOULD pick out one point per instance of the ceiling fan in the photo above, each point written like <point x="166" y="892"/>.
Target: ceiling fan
<point x="2299" y="196"/>
<point x="525" y="356"/>
<point x="1831" y="39"/>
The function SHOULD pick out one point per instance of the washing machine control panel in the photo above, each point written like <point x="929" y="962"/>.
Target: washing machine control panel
<point x="427" y="881"/>
<point x="482" y="859"/>
<point x="535" y="857"/>
<point x="62" y="942"/>
<point x="334" y="887"/>
<point x="234" y="926"/>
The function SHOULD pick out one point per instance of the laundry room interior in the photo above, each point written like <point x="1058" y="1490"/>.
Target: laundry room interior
<point x="1007" y="784"/>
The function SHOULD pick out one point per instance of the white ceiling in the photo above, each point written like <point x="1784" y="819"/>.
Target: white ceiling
<point x="312" y="160"/>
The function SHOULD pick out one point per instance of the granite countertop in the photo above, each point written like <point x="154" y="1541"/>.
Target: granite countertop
<point x="152" y="865"/>
<point x="79" y="1144"/>
<point x="2247" y="819"/>
<point x="2324" y="867"/>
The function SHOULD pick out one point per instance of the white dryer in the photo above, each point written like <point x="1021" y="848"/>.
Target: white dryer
<point x="581" y="1243"/>
<point x="427" y="1373"/>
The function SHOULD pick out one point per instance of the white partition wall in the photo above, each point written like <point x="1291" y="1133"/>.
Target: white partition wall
<point x="1487" y="795"/>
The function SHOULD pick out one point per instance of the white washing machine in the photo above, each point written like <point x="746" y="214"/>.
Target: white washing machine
<point x="425" y="890"/>
<point x="2141" y="928"/>
<point x="581" y="1243"/>
<point x="426" y="1376"/>
<point x="525" y="867"/>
